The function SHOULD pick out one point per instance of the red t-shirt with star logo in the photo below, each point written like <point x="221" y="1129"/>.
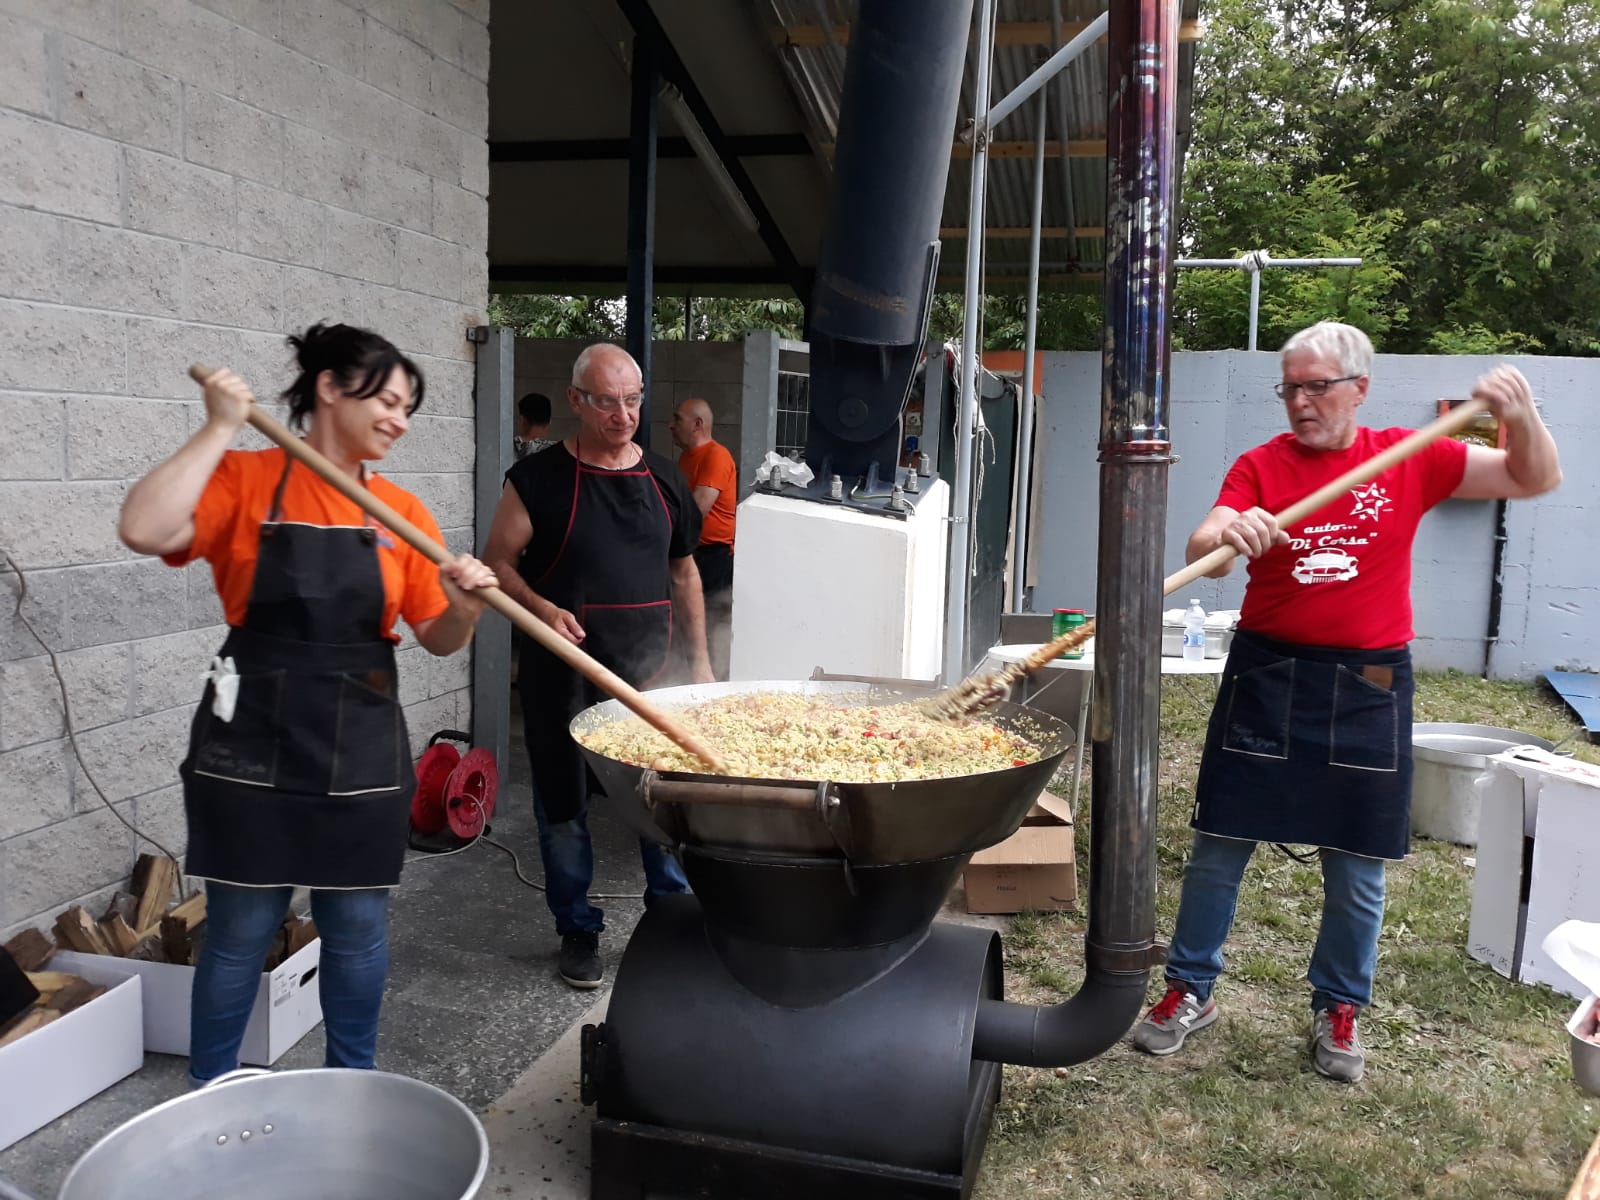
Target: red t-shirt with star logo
<point x="1344" y="579"/>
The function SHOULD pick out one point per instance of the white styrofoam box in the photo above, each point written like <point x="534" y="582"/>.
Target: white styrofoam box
<point x="1518" y="898"/>
<point x="53" y="1070"/>
<point x="288" y="1004"/>
<point x="857" y="594"/>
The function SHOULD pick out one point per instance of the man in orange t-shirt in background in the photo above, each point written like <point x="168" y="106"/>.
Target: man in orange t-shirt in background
<point x="714" y="479"/>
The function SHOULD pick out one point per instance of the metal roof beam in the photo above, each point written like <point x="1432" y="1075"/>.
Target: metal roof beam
<point x="1022" y="231"/>
<point x="1007" y="33"/>
<point x="754" y="145"/>
<point x="1048" y="70"/>
<point x="615" y="273"/>
<point x="1076" y="148"/>
<point x="644" y="22"/>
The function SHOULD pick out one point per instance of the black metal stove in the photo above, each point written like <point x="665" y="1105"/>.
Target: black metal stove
<point x="801" y="1022"/>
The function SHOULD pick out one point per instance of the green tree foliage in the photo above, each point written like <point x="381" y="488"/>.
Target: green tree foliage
<point x="1451" y="144"/>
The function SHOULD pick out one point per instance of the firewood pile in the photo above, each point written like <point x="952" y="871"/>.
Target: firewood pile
<point x="30" y="997"/>
<point x="150" y="922"/>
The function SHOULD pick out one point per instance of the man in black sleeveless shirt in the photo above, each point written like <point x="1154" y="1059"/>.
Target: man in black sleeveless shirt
<point x="596" y="536"/>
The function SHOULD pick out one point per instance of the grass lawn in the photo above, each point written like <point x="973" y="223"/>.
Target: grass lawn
<point x="1468" y="1090"/>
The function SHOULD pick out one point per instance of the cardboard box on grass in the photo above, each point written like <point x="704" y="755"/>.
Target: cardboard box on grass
<point x="52" y="1070"/>
<point x="287" y="1006"/>
<point x="1032" y="870"/>
<point x="1538" y="862"/>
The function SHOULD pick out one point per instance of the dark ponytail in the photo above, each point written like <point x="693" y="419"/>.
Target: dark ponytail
<point x="361" y="362"/>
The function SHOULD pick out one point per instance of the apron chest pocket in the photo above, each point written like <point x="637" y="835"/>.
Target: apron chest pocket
<point x="1366" y="724"/>
<point x="1259" y="711"/>
<point x="244" y="749"/>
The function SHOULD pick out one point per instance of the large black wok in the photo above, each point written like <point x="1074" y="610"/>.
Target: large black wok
<point x="870" y="823"/>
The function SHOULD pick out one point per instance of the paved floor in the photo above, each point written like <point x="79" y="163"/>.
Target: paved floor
<point x="472" y="1001"/>
<point x="473" y="1006"/>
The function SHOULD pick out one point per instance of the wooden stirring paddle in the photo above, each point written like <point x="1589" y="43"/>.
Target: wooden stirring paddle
<point x="597" y="674"/>
<point x="973" y="696"/>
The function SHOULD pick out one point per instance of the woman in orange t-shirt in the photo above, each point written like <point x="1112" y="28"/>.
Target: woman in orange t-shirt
<point x="298" y="771"/>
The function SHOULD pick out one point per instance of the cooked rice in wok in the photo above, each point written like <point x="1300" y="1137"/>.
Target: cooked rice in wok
<point x="781" y="735"/>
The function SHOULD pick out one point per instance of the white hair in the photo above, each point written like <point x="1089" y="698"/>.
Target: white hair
<point x="586" y="357"/>
<point x="1345" y="344"/>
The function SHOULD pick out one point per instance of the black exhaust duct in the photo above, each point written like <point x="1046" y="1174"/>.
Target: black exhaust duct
<point x="880" y="254"/>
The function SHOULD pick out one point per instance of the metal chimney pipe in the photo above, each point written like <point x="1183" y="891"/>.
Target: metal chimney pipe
<point x="1135" y="451"/>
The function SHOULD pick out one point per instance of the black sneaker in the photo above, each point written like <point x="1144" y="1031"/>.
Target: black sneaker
<point x="580" y="964"/>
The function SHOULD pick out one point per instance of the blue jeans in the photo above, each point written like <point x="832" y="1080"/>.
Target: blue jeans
<point x="240" y="924"/>
<point x="568" y="856"/>
<point x="1346" y="955"/>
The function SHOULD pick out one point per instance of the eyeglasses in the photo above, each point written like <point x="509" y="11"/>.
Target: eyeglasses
<point x="612" y="403"/>
<point x="1311" y="387"/>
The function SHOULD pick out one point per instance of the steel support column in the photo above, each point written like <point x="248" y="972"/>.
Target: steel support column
<point x="494" y="403"/>
<point x="959" y="585"/>
<point x="646" y="78"/>
<point x="1022" y="509"/>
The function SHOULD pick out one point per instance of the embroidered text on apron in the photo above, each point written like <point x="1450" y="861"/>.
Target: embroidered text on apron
<point x="612" y="573"/>
<point x="1310" y="745"/>
<point x="309" y="783"/>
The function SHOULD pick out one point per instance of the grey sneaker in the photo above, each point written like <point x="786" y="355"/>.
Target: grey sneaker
<point x="580" y="964"/>
<point x="1336" y="1044"/>
<point x="1178" y="1014"/>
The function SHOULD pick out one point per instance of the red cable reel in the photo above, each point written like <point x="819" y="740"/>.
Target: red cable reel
<point x="453" y="789"/>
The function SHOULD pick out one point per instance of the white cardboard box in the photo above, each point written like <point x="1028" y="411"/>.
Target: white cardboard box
<point x="53" y="1070"/>
<point x="1538" y="863"/>
<point x="288" y="1004"/>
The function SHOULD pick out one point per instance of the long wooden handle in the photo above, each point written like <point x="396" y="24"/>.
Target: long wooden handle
<point x="597" y="674"/>
<point x="1456" y="419"/>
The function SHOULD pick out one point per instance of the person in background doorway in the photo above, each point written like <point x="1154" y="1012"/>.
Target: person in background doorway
<point x="712" y="476"/>
<point x="533" y="425"/>
<point x="1310" y="737"/>
<point x="299" y="768"/>
<point x="595" y="536"/>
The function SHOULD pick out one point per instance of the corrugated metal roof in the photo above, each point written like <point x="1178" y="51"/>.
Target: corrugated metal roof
<point x="1074" y="190"/>
<point x="559" y="78"/>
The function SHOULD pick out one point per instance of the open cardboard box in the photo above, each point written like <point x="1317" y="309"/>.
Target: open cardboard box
<point x="1032" y="870"/>
<point x="288" y="1003"/>
<point x="52" y="1070"/>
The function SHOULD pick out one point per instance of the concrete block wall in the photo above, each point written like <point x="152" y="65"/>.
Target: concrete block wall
<point x="713" y="371"/>
<point x="1222" y="405"/>
<point x="185" y="181"/>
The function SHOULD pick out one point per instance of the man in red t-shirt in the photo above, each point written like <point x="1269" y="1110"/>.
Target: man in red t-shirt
<point x="714" y="479"/>
<point x="1310" y="738"/>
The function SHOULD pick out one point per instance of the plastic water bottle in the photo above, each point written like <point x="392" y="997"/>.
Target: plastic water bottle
<point x="1194" y="633"/>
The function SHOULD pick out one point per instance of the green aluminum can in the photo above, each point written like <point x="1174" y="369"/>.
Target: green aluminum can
<point x="1065" y="620"/>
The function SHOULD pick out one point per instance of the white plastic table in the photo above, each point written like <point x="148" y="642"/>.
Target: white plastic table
<point x="1017" y="651"/>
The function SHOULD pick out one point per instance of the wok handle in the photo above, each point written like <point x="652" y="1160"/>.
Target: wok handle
<point x="362" y="497"/>
<point x="798" y="798"/>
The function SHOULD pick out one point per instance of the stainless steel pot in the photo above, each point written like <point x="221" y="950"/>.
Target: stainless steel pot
<point x="1448" y="761"/>
<point x="311" y="1135"/>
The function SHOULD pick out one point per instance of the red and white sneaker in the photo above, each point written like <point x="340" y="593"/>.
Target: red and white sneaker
<point x="1178" y="1014"/>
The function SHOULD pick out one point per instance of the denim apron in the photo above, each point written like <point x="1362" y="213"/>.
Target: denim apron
<point x="1310" y="745"/>
<point x="309" y="781"/>
<point x="611" y="572"/>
